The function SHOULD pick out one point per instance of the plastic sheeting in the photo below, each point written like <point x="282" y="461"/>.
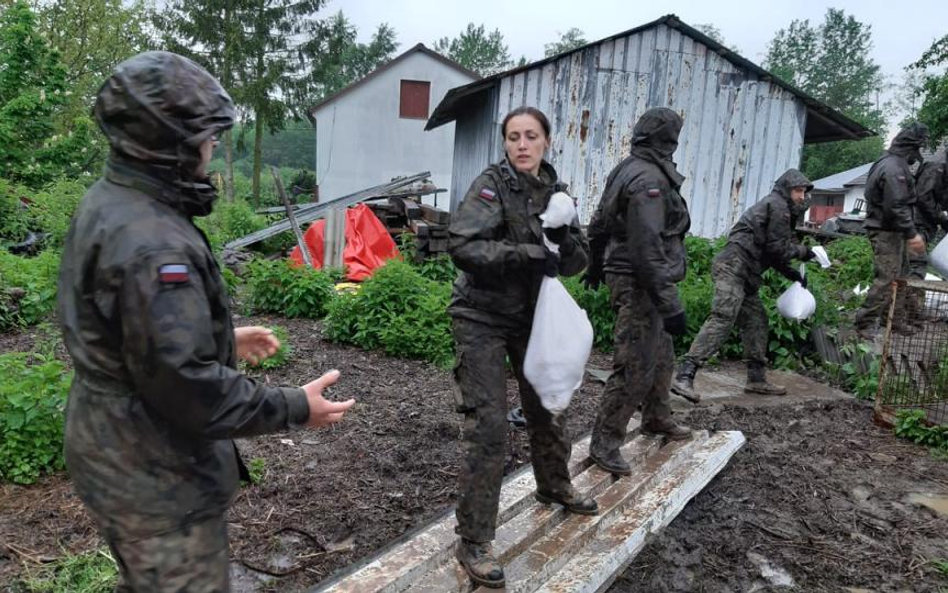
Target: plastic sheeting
<point x="368" y="244"/>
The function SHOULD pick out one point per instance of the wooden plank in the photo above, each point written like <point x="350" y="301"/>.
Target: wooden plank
<point x="435" y="215"/>
<point x="304" y="250"/>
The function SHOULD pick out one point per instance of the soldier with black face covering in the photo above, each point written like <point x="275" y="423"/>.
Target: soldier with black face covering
<point x="637" y="243"/>
<point x="891" y="225"/>
<point x="157" y="398"/>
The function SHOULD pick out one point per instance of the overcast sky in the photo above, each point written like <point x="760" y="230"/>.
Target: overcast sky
<point x="901" y="31"/>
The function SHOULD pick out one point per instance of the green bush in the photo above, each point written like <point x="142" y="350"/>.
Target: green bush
<point x="912" y="425"/>
<point x="229" y="221"/>
<point x="598" y="308"/>
<point x="292" y="291"/>
<point x="51" y="209"/>
<point x="33" y="390"/>
<point x="398" y="311"/>
<point x="27" y="288"/>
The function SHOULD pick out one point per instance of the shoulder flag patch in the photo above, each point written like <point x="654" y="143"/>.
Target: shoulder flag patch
<point x="173" y="273"/>
<point x="654" y="192"/>
<point x="487" y="194"/>
<point x="901" y="178"/>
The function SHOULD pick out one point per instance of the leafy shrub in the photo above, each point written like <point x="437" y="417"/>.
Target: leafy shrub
<point x="598" y="308"/>
<point x="912" y="425"/>
<point x="438" y="269"/>
<point x="27" y="288"/>
<point x="292" y="291"/>
<point x="32" y="402"/>
<point x="229" y="221"/>
<point x="399" y="311"/>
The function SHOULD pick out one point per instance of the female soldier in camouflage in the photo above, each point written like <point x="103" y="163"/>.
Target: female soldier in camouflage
<point x="497" y="243"/>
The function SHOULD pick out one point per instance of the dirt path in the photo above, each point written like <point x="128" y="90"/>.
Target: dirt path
<point x="818" y="491"/>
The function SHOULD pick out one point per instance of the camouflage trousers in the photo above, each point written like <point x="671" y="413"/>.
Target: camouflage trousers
<point x="735" y="301"/>
<point x="642" y="365"/>
<point x="890" y="262"/>
<point x="193" y="559"/>
<point x="481" y="396"/>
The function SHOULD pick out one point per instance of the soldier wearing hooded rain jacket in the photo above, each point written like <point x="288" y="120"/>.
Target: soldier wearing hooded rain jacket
<point x="156" y="399"/>
<point x="891" y="226"/>
<point x="761" y="239"/>
<point x="642" y="213"/>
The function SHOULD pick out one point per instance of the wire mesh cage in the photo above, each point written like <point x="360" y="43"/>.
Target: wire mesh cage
<point x="913" y="374"/>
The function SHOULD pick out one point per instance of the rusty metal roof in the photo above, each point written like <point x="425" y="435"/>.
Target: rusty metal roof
<point x="824" y="124"/>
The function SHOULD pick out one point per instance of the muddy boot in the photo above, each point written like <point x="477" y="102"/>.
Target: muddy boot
<point x="481" y="565"/>
<point x="757" y="381"/>
<point x="572" y="500"/>
<point x="611" y="461"/>
<point x="668" y="428"/>
<point x="684" y="382"/>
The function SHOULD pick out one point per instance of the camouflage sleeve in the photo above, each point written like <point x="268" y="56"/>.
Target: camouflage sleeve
<point x="778" y="237"/>
<point x="475" y="232"/>
<point x="898" y="200"/>
<point x="645" y="222"/>
<point x="927" y="200"/>
<point x="169" y="348"/>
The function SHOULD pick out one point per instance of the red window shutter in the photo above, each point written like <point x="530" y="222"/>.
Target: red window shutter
<point x="414" y="99"/>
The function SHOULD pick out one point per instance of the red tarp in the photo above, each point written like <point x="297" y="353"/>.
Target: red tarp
<point x="368" y="244"/>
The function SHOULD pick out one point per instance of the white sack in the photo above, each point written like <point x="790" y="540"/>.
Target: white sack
<point x="797" y="302"/>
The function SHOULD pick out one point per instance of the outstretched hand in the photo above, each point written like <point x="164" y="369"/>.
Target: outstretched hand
<point x="255" y="343"/>
<point x="323" y="412"/>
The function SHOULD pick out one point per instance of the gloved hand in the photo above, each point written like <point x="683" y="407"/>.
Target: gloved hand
<point x="810" y="254"/>
<point x="557" y="235"/>
<point x="593" y="276"/>
<point x="676" y="325"/>
<point x="551" y="266"/>
<point x="795" y="276"/>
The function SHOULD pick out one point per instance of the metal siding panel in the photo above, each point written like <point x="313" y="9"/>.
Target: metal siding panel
<point x="533" y="87"/>
<point x="472" y="138"/>
<point x="547" y="86"/>
<point x="758" y="151"/>
<point x="606" y="50"/>
<point x="504" y="94"/>
<point x="646" y="49"/>
<point x="518" y="93"/>
<point x="630" y="61"/>
<point x="695" y="113"/>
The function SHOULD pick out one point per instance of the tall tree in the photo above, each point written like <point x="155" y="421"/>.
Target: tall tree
<point x="832" y="63"/>
<point x="338" y="60"/>
<point x="571" y="39"/>
<point x="934" y="89"/>
<point x="477" y="50"/>
<point x="33" y="94"/>
<point x="211" y="33"/>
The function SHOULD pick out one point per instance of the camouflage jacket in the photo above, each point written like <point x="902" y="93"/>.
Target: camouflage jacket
<point x="497" y="244"/>
<point x="642" y="213"/>
<point x="156" y="397"/>
<point x="763" y="237"/>
<point x="890" y="196"/>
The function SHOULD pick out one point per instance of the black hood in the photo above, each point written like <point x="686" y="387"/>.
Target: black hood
<point x="658" y="129"/>
<point x="156" y="110"/>
<point x="909" y="141"/>
<point x="790" y="179"/>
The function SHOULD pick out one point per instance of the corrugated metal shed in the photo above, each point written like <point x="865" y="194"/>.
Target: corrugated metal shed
<point x="743" y="128"/>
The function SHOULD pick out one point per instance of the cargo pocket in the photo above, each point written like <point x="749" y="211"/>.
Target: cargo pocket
<point x="462" y="405"/>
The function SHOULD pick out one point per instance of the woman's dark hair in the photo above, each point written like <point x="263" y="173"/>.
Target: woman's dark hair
<point x="525" y="110"/>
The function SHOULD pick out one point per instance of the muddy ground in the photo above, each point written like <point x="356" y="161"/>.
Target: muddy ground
<point x="818" y="495"/>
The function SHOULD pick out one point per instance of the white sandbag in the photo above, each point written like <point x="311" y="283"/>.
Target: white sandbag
<point x="559" y="346"/>
<point x="797" y="302"/>
<point x="822" y="256"/>
<point x="939" y="257"/>
<point x="560" y="211"/>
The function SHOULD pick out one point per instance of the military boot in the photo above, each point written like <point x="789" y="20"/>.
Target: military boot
<point x="757" y="381"/>
<point x="668" y="428"/>
<point x="572" y="500"/>
<point x="611" y="461"/>
<point x="481" y="565"/>
<point x="684" y="382"/>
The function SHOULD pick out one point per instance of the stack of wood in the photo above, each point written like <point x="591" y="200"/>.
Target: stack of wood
<point x="404" y="214"/>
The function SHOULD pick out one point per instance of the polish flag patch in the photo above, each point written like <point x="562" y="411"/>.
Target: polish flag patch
<point x="487" y="194"/>
<point x="173" y="273"/>
<point x="654" y="193"/>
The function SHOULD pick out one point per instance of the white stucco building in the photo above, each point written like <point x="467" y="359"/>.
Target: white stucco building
<point x="373" y="130"/>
